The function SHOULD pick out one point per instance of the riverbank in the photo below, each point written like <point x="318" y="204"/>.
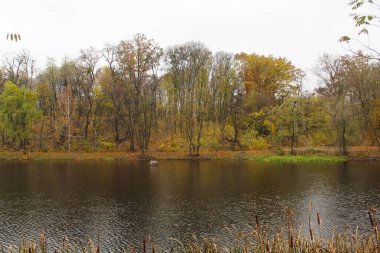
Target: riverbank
<point x="302" y="155"/>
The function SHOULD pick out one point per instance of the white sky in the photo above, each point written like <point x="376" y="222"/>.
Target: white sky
<point x="300" y="30"/>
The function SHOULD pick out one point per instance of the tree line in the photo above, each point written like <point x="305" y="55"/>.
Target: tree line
<point x="137" y="96"/>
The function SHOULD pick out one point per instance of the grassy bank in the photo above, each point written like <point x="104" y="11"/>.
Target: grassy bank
<point x="263" y="156"/>
<point x="256" y="239"/>
<point x="303" y="154"/>
<point x="302" y="159"/>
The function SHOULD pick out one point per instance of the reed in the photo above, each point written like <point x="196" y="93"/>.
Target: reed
<point x="288" y="240"/>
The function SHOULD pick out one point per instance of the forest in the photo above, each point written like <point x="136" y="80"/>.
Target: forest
<point x="137" y="96"/>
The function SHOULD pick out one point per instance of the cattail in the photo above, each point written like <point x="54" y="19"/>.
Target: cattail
<point x="98" y="249"/>
<point x="267" y="246"/>
<point x="171" y="249"/>
<point x="257" y="220"/>
<point x="371" y="219"/>
<point x="319" y="219"/>
<point x="291" y="241"/>
<point x="153" y="250"/>
<point x="144" y="246"/>
<point x="311" y="234"/>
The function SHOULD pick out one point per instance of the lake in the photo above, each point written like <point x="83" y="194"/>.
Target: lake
<point x="123" y="202"/>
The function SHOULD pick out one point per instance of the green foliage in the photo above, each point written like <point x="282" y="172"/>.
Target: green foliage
<point x="86" y="146"/>
<point x="366" y="16"/>
<point x="361" y="19"/>
<point x="18" y="112"/>
<point x="288" y="120"/>
<point x="301" y="159"/>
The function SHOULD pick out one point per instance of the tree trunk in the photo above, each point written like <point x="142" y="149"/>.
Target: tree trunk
<point x="344" y="141"/>
<point x="374" y="134"/>
<point x="116" y="128"/>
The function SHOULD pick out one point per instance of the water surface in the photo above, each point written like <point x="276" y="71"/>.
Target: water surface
<point x="124" y="202"/>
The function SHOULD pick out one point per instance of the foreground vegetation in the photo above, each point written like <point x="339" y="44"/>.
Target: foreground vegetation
<point x="256" y="239"/>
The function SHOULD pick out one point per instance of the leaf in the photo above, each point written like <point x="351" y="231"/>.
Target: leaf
<point x="13" y="36"/>
<point x="364" y="30"/>
<point x="344" y="39"/>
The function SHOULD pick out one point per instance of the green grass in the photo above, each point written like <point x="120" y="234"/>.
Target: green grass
<point x="108" y="158"/>
<point x="301" y="159"/>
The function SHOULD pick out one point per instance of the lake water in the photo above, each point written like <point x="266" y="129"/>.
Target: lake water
<point x="124" y="202"/>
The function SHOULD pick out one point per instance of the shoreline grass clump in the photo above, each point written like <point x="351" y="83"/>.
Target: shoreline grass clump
<point x="301" y="159"/>
<point x="291" y="238"/>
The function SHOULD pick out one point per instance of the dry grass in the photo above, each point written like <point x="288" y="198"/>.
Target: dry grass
<point x="257" y="239"/>
<point x="18" y="155"/>
<point x="108" y="156"/>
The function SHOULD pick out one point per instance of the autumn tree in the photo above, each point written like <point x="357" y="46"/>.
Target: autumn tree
<point x="331" y="72"/>
<point x="88" y="61"/>
<point x="364" y="88"/>
<point x="19" y="68"/>
<point x="139" y="61"/>
<point x="225" y="87"/>
<point x="267" y="80"/>
<point x="289" y="115"/>
<point x="189" y="66"/>
<point x="111" y="81"/>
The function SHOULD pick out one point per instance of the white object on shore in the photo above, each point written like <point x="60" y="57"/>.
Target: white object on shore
<point x="153" y="163"/>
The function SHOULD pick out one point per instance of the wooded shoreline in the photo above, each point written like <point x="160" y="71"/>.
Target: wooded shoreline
<point x="324" y="154"/>
<point x="137" y="96"/>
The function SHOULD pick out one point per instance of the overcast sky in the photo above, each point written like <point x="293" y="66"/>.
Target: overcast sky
<point x="300" y="30"/>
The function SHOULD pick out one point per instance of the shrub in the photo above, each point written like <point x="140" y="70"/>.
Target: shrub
<point x="253" y="142"/>
<point x="172" y="143"/>
<point x="105" y="146"/>
<point x="320" y="139"/>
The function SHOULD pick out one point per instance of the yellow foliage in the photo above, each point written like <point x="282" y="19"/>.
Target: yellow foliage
<point x="172" y="143"/>
<point x="106" y="146"/>
<point x="320" y="139"/>
<point x="254" y="142"/>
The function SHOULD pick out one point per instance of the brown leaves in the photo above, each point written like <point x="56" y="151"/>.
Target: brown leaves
<point x="13" y="37"/>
